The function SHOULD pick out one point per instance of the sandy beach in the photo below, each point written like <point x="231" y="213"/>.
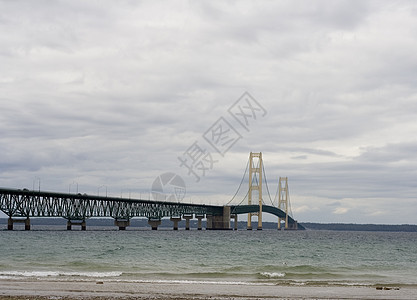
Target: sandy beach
<point x="37" y="289"/>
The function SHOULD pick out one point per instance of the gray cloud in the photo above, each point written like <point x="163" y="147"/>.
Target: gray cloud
<point x="113" y="94"/>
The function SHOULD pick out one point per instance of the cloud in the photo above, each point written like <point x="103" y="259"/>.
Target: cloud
<point x="341" y="210"/>
<point x="378" y="213"/>
<point x="302" y="209"/>
<point x="113" y="94"/>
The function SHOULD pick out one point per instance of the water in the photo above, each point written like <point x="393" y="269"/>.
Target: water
<point x="225" y="257"/>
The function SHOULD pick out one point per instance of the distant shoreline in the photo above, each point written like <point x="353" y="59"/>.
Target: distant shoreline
<point x="360" y="227"/>
<point x="166" y="223"/>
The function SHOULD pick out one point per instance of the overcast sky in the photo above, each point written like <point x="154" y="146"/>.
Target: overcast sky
<point x="98" y="95"/>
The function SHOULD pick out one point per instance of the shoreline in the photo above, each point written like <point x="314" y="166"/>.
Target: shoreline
<point x="38" y="289"/>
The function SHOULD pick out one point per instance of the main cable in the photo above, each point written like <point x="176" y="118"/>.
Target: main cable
<point x="289" y="203"/>
<point x="266" y="183"/>
<point x="244" y="174"/>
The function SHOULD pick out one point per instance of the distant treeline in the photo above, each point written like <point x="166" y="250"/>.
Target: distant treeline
<point x="360" y="227"/>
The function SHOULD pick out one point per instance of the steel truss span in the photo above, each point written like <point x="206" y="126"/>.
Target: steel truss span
<point x="26" y="204"/>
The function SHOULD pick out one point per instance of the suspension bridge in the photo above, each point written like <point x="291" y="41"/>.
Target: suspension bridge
<point x="20" y="205"/>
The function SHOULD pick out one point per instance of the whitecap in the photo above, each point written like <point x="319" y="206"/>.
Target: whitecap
<point x="42" y="274"/>
<point x="272" y="274"/>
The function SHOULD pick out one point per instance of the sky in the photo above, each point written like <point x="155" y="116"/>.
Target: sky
<point x="129" y="97"/>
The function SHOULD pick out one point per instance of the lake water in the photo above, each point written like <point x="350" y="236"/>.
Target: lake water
<point x="225" y="257"/>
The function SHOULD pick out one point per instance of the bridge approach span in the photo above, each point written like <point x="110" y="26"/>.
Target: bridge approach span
<point x="26" y="204"/>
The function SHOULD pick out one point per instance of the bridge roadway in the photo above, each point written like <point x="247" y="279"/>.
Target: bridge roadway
<point x="22" y="204"/>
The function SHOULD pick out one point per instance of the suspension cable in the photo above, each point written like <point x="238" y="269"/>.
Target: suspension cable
<point x="247" y="193"/>
<point x="266" y="183"/>
<point x="289" y="203"/>
<point x="244" y="174"/>
<point x="256" y="180"/>
<point x="276" y="195"/>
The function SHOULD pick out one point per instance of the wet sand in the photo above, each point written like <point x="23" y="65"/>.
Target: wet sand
<point x="53" y="290"/>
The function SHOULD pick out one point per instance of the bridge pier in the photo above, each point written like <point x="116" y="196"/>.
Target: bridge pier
<point x="259" y="215"/>
<point x="200" y="221"/>
<point x="293" y="226"/>
<point x="235" y="223"/>
<point x="249" y="227"/>
<point x="11" y="221"/>
<point x="83" y="224"/>
<point x="187" y="221"/>
<point x="154" y="223"/>
<point x="175" y="220"/>
<point x="219" y="222"/>
<point x="122" y="223"/>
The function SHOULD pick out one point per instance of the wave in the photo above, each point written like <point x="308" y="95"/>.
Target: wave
<point x="264" y="278"/>
<point x="42" y="274"/>
<point x="272" y="275"/>
<point x="185" y="281"/>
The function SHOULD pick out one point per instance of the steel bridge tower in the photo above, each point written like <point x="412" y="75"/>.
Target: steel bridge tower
<point x="255" y="168"/>
<point x="283" y="196"/>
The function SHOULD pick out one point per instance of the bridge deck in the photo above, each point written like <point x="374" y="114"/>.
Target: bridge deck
<point x="23" y="203"/>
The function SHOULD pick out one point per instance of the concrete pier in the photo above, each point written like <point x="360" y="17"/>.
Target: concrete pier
<point x="81" y="223"/>
<point x="122" y="223"/>
<point x="200" y="221"/>
<point x="154" y="223"/>
<point x="11" y="221"/>
<point x="235" y="223"/>
<point x="219" y="222"/>
<point x="175" y="220"/>
<point x="293" y="226"/>
<point x="187" y="221"/>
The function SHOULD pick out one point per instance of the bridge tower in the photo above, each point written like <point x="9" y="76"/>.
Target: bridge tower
<point x="283" y="196"/>
<point x="255" y="168"/>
